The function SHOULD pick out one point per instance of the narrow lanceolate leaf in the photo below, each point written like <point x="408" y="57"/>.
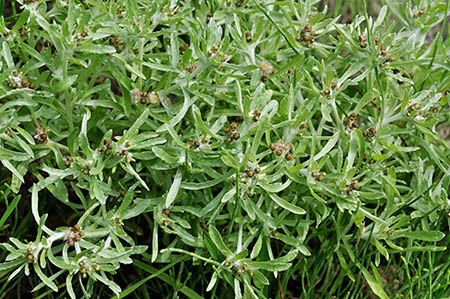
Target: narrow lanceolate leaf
<point x="286" y="205"/>
<point x="44" y="278"/>
<point x="155" y="241"/>
<point x="96" y="49"/>
<point x="111" y="284"/>
<point x="34" y="208"/>
<point x="6" y="154"/>
<point x="218" y="241"/>
<point x="137" y="124"/>
<point x="276" y="187"/>
<point x="173" y="191"/>
<point x="229" y="195"/>
<point x="256" y="248"/>
<point x="431" y="236"/>
<point x="7" y="55"/>
<point x="70" y="287"/>
<point x="11" y="168"/>
<point x="374" y="285"/>
<point x="269" y="265"/>
<point x="127" y="167"/>
<point x="10" y="264"/>
<point x="212" y="282"/>
<point x="328" y="146"/>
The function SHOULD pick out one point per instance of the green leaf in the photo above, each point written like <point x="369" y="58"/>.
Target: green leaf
<point x="44" y="278"/>
<point x="260" y="278"/>
<point x="10" y="264"/>
<point x="212" y="282"/>
<point x="155" y="241"/>
<point x="6" y="154"/>
<point x="218" y="242"/>
<point x="128" y="168"/>
<point x="286" y="205"/>
<point x="7" y="55"/>
<point x="22" y="20"/>
<point x="96" y="49"/>
<point x="380" y="18"/>
<point x="11" y="168"/>
<point x="430" y="236"/>
<point x="269" y="265"/>
<point x="229" y="160"/>
<point x="275" y="187"/>
<point x="9" y="210"/>
<point x="69" y="286"/>
<point x="256" y="248"/>
<point x="374" y="285"/>
<point x="173" y="191"/>
<point x="328" y="147"/>
<point x="199" y="122"/>
<point x="137" y="124"/>
<point x="111" y="284"/>
<point x="229" y="195"/>
<point x="241" y="255"/>
<point x="163" y="155"/>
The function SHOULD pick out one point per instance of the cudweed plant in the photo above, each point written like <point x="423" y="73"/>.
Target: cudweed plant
<point x="268" y="144"/>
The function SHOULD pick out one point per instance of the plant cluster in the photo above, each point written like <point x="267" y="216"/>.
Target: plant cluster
<point x="267" y="147"/>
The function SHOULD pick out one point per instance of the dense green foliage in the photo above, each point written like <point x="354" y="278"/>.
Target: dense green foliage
<point x="256" y="147"/>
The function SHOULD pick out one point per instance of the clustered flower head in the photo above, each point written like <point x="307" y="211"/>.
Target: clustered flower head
<point x="256" y="115"/>
<point x="326" y="90"/>
<point x="83" y="34"/>
<point x="192" y="68"/>
<point x="250" y="173"/>
<point x="120" y="12"/>
<point x="116" y="43"/>
<point x="266" y="69"/>
<point x="17" y="80"/>
<point x="107" y="146"/>
<point x="170" y="11"/>
<point x="213" y="50"/>
<point x="382" y="48"/>
<point x="73" y="234"/>
<point x="351" y="187"/>
<point x="307" y="35"/>
<point x="304" y="126"/>
<point x="197" y="143"/>
<point x="68" y="161"/>
<point x="24" y="30"/>
<point x="30" y="256"/>
<point x="183" y="47"/>
<point x="319" y="176"/>
<point x="248" y="36"/>
<point x="352" y="123"/>
<point x="418" y="14"/>
<point x="41" y="134"/>
<point x="370" y="133"/>
<point x="231" y="132"/>
<point x="145" y="97"/>
<point x="282" y="148"/>
<point x="87" y="266"/>
<point x="362" y="41"/>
